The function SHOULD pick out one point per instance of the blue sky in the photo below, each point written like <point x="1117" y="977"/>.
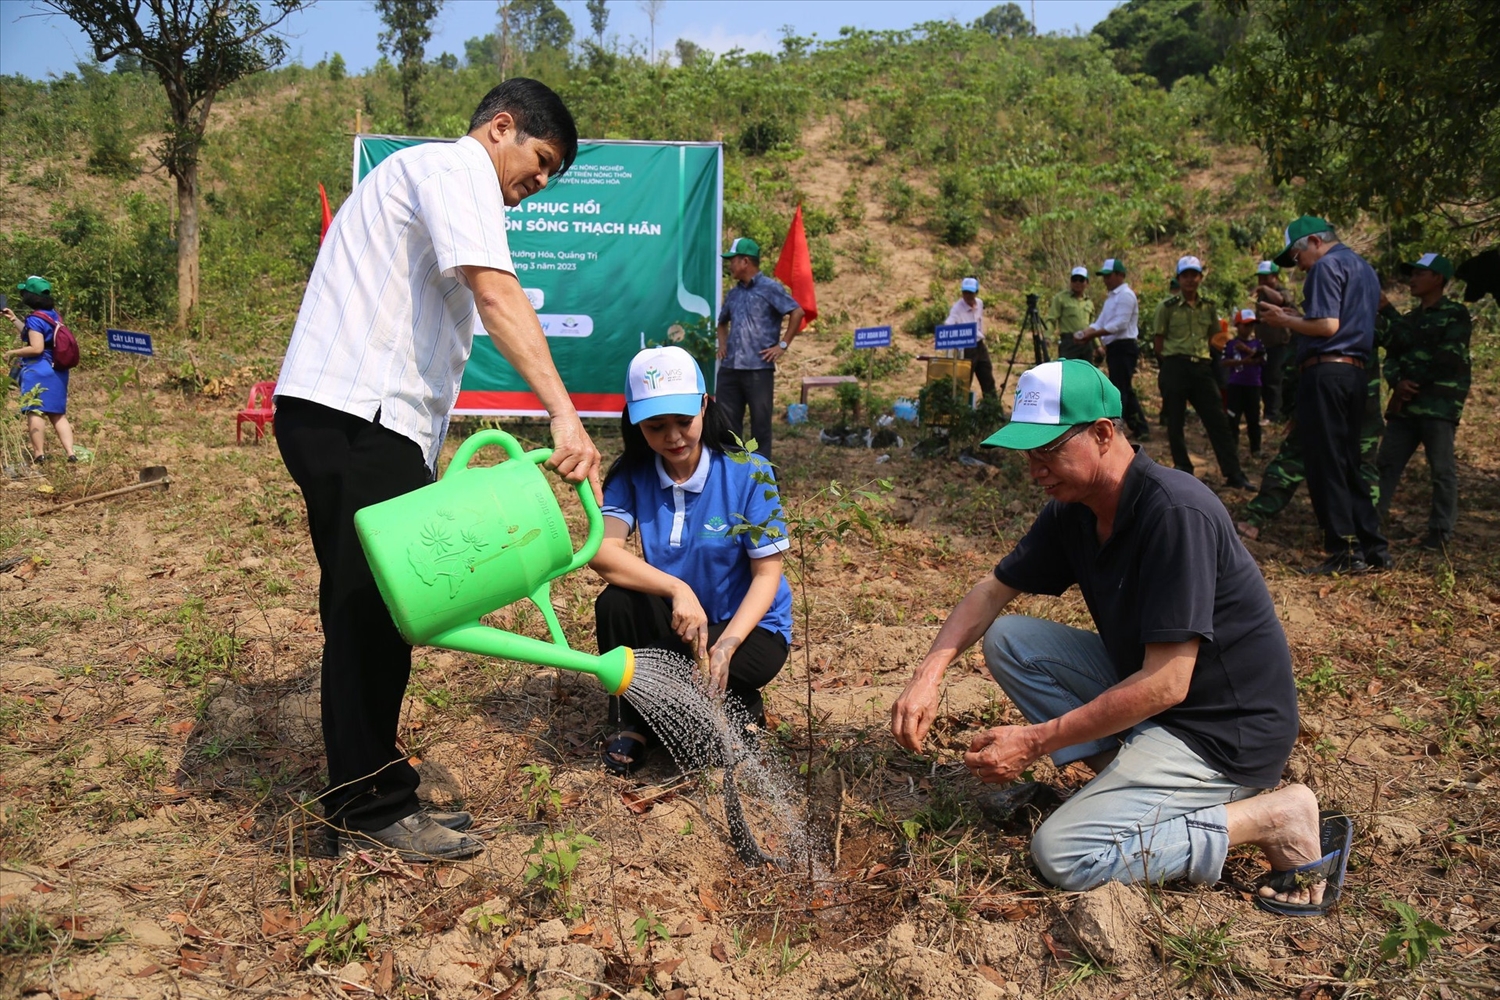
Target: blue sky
<point x="35" y="44"/>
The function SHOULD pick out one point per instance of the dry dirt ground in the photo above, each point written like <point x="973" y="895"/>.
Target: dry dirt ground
<point x="159" y="747"/>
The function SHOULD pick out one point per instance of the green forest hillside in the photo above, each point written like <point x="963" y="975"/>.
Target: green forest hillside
<point x="919" y="156"/>
<point x="1010" y="158"/>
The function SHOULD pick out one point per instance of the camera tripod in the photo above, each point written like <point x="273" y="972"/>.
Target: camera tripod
<point x="1037" y="327"/>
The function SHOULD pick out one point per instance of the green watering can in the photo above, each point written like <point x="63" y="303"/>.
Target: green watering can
<point x="476" y="540"/>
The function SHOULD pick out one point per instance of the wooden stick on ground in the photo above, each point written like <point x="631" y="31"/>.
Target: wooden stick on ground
<point x="163" y="483"/>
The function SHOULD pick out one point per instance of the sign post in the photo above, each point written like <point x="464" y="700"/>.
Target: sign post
<point x="955" y="337"/>
<point x="871" y="338"/>
<point x="129" y="342"/>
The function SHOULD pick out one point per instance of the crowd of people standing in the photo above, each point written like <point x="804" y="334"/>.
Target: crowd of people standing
<point x="1312" y="368"/>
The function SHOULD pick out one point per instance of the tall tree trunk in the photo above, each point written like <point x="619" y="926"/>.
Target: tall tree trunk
<point x="187" y="244"/>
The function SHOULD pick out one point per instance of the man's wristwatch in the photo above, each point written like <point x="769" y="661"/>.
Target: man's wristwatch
<point x="784" y="346"/>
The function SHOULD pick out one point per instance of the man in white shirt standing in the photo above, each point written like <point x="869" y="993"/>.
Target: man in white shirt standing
<point x="970" y="309"/>
<point x="414" y="265"/>
<point x="1118" y="329"/>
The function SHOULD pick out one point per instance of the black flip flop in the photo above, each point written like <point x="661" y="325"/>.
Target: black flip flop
<point x="627" y="747"/>
<point x="1336" y="833"/>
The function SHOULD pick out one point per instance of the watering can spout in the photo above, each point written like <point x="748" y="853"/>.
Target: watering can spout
<point x="615" y="669"/>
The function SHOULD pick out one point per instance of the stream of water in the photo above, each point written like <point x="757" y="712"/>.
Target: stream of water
<point x="702" y="732"/>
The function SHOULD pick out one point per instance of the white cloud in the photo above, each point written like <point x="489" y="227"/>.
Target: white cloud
<point x="719" y="40"/>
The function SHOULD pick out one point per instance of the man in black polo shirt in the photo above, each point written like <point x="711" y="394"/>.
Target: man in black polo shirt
<point x="1335" y="340"/>
<point x="1183" y="703"/>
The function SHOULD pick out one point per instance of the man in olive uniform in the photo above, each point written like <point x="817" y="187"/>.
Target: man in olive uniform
<point x="1427" y="367"/>
<point x="1275" y="339"/>
<point x="1072" y="310"/>
<point x="1183" y="325"/>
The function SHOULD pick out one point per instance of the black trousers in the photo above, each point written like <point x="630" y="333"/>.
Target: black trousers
<point x="1244" y="401"/>
<point x="644" y="621"/>
<point x="979" y="356"/>
<point x="1331" y="401"/>
<point x="1185" y="380"/>
<point x="343" y="463"/>
<point x="754" y="387"/>
<point x="1270" y="380"/>
<point x="1121" y="357"/>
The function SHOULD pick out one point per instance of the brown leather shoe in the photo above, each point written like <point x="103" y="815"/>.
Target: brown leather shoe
<point x="416" y="838"/>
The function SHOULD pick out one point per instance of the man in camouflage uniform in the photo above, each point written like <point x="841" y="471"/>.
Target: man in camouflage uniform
<point x="1286" y="472"/>
<point x="1427" y="366"/>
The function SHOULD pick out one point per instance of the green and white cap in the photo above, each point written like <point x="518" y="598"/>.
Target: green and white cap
<point x="1053" y="397"/>
<point x="742" y="247"/>
<point x="1432" y="262"/>
<point x="1111" y="265"/>
<point x="36" y="285"/>
<point x="1267" y="267"/>
<point x="1304" y="225"/>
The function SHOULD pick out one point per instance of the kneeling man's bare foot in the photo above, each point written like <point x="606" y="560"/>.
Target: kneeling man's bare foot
<point x="1283" y="824"/>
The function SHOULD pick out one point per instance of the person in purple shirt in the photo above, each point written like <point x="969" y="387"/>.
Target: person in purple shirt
<point x="1244" y="357"/>
<point x="1335" y="340"/>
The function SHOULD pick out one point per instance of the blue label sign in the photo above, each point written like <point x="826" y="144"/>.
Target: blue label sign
<point x="872" y="336"/>
<point x="129" y="342"/>
<point x="951" y="338"/>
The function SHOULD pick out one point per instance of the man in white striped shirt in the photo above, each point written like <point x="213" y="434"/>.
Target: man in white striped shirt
<point x="1118" y="329"/>
<point x="415" y="264"/>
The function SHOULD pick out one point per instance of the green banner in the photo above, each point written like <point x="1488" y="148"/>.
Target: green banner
<point x="621" y="250"/>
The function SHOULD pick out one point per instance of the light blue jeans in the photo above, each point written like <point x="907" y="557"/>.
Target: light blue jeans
<point x="1156" y="813"/>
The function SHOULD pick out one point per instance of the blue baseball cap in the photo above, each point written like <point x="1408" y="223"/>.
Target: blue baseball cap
<point x="662" y="381"/>
<point x="969" y="285"/>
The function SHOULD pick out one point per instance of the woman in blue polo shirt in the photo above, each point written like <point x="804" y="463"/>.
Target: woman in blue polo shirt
<point x="714" y="596"/>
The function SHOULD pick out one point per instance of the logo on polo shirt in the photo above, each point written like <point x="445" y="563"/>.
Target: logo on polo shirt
<point x="715" y="525"/>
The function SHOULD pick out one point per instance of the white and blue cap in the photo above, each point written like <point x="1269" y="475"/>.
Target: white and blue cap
<point x="663" y="380"/>
<point x="1189" y="263"/>
<point x="1080" y="272"/>
<point x="969" y="285"/>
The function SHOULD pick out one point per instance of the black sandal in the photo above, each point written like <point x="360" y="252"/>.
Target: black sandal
<point x="623" y="754"/>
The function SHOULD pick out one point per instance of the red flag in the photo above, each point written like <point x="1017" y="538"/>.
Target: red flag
<point x="327" y="213"/>
<point x="794" y="269"/>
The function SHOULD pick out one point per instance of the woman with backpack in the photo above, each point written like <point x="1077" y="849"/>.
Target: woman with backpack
<point x="37" y="367"/>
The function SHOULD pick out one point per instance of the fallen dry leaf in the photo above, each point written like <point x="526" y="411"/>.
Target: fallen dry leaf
<point x="582" y="930"/>
<point x="719" y="952"/>
<point x="1063" y="955"/>
<point x="385" y="975"/>
<point x="182" y="728"/>
<point x="707" y="901"/>
<point x="991" y="975"/>
<point x="278" y="920"/>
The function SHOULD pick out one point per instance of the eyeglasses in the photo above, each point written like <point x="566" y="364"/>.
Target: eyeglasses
<point x="1046" y="452"/>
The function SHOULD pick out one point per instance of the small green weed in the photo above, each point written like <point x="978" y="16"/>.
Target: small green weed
<point x="1323" y="681"/>
<point x="647" y="925"/>
<point x="1419" y="936"/>
<point x="336" y="941"/>
<point x="553" y="858"/>
<point x="539" y="795"/>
